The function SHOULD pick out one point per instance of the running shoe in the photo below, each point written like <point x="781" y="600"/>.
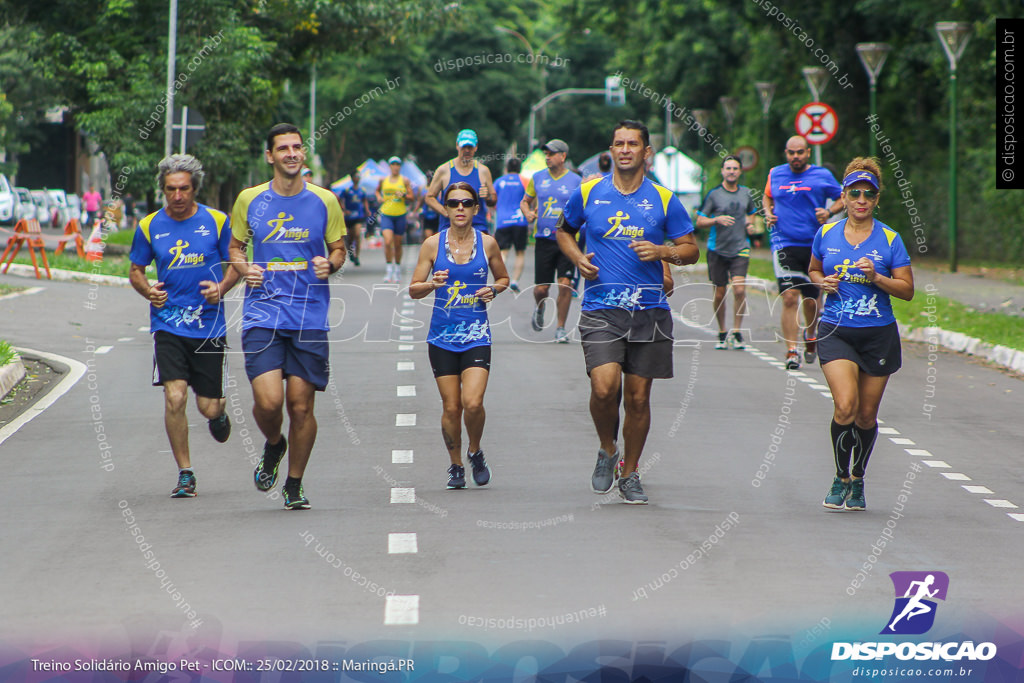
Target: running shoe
<point x="265" y="474"/>
<point x="514" y="286"/>
<point x="560" y="336"/>
<point x="538" y="317"/>
<point x="295" y="499"/>
<point x="792" y="360"/>
<point x="481" y="472"/>
<point x="457" y="477"/>
<point x="736" y="342"/>
<point x="856" y="500"/>
<point x="836" y="497"/>
<point x="220" y="428"/>
<point x="722" y="343"/>
<point x="810" y="349"/>
<point x="604" y="472"/>
<point x="354" y="257"/>
<point x="186" y="487"/>
<point x="631" y="491"/>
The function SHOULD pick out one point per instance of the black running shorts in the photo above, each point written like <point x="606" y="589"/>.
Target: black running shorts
<point x="639" y="341"/>
<point x="876" y="350"/>
<point x="198" y="361"/>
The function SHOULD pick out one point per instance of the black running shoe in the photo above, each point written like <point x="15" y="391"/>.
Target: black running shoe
<point x="481" y="472"/>
<point x="186" y="487"/>
<point x="456" y="477"/>
<point x="265" y="474"/>
<point x="295" y="499"/>
<point x="220" y="428"/>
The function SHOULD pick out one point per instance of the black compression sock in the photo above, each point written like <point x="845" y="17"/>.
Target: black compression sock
<point x="865" y="444"/>
<point x="842" y="447"/>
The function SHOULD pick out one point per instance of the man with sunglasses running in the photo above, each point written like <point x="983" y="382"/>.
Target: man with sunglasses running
<point x="795" y="206"/>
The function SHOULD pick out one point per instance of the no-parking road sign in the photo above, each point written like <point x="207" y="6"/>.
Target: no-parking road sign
<point x="817" y="122"/>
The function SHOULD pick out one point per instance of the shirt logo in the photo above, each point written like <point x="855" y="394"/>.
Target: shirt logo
<point x="874" y="255"/>
<point x="280" y="233"/>
<point x="203" y="230"/>
<point x="645" y="205"/>
<point x="182" y="259"/>
<point x="457" y="298"/>
<point x="550" y="210"/>
<point x="160" y="234"/>
<point x="793" y="188"/>
<point x="563" y="190"/>
<point x="618" y="231"/>
<point x="602" y="201"/>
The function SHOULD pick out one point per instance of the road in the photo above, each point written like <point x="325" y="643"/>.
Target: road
<point x="734" y="567"/>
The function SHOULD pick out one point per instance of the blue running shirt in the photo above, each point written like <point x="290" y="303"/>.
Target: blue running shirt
<point x="186" y="253"/>
<point x="473" y="178"/>
<point x="510" y="190"/>
<point x="609" y="221"/>
<point x="858" y="303"/>
<point x="353" y="198"/>
<point x="286" y="233"/>
<point x="551" y="194"/>
<point x="796" y="195"/>
<point x="459" y="320"/>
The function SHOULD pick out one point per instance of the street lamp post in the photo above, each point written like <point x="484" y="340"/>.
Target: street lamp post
<point x="702" y="116"/>
<point x="729" y="105"/>
<point x="816" y="78"/>
<point x="954" y="36"/>
<point x="766" y="91"/>
<point x="872" y="56"/>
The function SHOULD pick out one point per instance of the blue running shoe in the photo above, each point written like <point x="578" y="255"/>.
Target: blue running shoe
<point x="856" y="501"/>
<point x="456" y="477"/>
<point x="837" y="496"/>
<point x="481" y="472"/>
<point x="186" y="487"/>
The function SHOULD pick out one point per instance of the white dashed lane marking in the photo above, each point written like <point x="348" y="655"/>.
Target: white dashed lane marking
<point x="402" y="610"/>
<point x="401" y="457"/>
<point x="403" y="495"/>
<point x="930" y="460"/>
<point x="405" y="420"/>
<point x="402" y="543"/>
<point x="405" y="347"/>
<point x="405" y="366"/>
<point x="104" y="349"/>
<point x="406" y="390"/>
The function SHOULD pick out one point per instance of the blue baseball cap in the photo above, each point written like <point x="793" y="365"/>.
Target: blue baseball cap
<point x="394" y="160"/>
<point x="466" y="138"/>
<point x="857" y="176"/>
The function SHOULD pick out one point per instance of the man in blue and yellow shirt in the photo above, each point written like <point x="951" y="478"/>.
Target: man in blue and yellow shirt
<point x="626" y="325"/>
<point x="297" y="235"/>
<point x="189" y="243"/>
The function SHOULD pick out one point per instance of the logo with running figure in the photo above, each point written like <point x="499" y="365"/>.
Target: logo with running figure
<point x="618" y="231"/>
<point x="457" y="298"/>
<point x="182" y="259"/>
<point x="279" y="232"/>
<point x="916" y="592"/>
<point x="550" y="210"/>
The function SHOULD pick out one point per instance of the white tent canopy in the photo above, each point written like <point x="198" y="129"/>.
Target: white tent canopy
<point x="677" y="172"/>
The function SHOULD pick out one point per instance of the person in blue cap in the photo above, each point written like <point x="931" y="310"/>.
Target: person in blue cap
<point x="859" y="263"/>
<point x="466" y="169"/>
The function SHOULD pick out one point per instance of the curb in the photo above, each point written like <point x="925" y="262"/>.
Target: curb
<point x="23" y="270"/>
<point x="1004" y="356"/>
<point x="10" y="375"/>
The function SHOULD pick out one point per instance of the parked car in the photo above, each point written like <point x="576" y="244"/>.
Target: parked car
<point x="59" y="208"/>
<point x="24" y="207"/>
<point x="44" y="210"/>
<point x="75" y="207"/>
<point x="6" y="201"/>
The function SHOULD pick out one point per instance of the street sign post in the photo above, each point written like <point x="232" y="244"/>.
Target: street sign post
<point x="817" y="122"/>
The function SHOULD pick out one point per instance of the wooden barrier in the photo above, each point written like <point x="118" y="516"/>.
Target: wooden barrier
<point x="72" y="232"/>
<point x="27" y="231"/>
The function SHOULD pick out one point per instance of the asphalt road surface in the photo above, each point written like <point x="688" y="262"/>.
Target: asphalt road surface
<point x="735" y="547"/>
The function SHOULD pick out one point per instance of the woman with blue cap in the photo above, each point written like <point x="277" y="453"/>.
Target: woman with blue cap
<point x="859" y="263"/>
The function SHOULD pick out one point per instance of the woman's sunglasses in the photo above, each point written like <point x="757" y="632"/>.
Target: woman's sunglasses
<point x="464" y="203"/>
<point x="868" y="194"/>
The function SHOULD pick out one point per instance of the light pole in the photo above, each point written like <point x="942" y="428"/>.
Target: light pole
<point x="766" y="91"/>
<point x="729" y="105"/>
<point x="816" y="78"/>
<point x="954" y="36"/>
<point x="172" y="42"/>
<point x="703" y="116"/>
<point x="872" y="56"/>
<point x="534" y="60"/>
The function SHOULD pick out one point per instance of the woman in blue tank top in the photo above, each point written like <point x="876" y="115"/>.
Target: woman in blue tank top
<point x="454" y="265"/>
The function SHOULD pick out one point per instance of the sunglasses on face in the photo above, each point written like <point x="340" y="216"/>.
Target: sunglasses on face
<point x="464" y="203"/>
<point x="868" y="194"/>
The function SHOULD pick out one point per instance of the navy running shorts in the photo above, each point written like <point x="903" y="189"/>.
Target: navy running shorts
<point x="303" y="353"/>
<point x="875" y="350"/>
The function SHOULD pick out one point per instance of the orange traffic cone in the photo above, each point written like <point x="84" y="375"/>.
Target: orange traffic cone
<point x="94" y="247"/>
